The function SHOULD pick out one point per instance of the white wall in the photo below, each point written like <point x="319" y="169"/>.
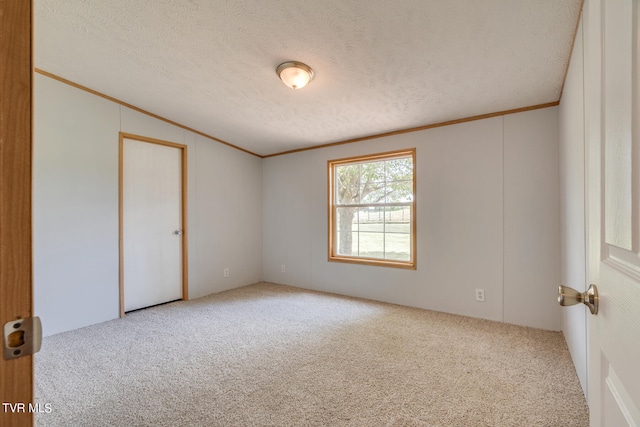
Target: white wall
<point x="531" y="219"/>
<point x="75" y="197"/>
<point x="485" y="191"/>
<point x="228" y="218"/>
<point x="487" y="211"/>
<point x="75" y="207"/>
<point x="572" y="188"/>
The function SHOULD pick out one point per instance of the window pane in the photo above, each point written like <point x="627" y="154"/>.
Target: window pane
<point x="399" y="169"/>
<point x="347" y="243"/>
<point x="397" y="246"/>
<point x="398" y="227"/>
<point x="398" y="219"/>
<point x="399" y="191"/>
<point x="373" y="192"/>
<point x="371" y="219"/>
<point x="372" y="172"/>
<point x="347" y="180"/>
<point x="372" y="182"/>
<point x="346" y="219"/>
<point x="371" y="245"/>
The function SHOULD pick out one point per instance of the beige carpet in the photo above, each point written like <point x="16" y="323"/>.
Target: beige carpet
<point x="272" y="355"/>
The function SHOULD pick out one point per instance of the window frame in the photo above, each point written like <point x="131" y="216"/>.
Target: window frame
<point x="332" y="208"/>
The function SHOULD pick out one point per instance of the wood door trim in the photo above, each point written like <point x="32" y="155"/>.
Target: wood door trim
<point x="16" y="280"/>
<point x="183" y="207"/>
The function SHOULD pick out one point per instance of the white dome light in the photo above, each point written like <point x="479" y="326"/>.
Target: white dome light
<point x="296" y="75"/>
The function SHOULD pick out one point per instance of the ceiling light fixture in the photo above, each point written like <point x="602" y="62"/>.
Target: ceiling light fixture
<point x="296" y="75"/>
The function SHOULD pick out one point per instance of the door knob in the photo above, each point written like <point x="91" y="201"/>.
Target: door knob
<point x="178" y="232"/>
<point x="569" y="296"/>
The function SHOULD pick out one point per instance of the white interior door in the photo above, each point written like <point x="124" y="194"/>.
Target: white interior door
<point x="151" y="223"/>
<point x="613" y="133"/>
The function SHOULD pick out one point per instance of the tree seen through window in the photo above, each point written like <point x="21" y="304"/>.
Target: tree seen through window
<point x="372" y="207"/>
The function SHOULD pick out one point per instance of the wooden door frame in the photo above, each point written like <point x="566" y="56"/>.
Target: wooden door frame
<point x="16" y="280"/>
<point x="183" y="207"/>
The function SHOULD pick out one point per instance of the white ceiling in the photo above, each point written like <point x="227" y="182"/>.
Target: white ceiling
<point x="380" y="65"/>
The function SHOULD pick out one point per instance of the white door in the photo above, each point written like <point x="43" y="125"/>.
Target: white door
<point x="151" y="223"/>
<point x="613" y="150"/>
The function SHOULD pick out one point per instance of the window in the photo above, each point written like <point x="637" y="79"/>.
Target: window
<point x="372" y="209"/>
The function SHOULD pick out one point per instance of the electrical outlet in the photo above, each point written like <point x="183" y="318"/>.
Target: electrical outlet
<point x="283" y="269"/>
<point x="480" y="295"/>
<point x="226" y="272"/>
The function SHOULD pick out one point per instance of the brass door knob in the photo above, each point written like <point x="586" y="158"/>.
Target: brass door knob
<point x="569" y="296"/>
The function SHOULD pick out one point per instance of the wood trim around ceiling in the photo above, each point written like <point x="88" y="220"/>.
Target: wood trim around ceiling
<point x="419" y="128"/>
<point x="140" y="110"/>
<point x="315" y="147"/>
<point x="573" y="42"/>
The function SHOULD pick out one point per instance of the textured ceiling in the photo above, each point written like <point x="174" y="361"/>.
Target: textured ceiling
<point x="380" y="65"/>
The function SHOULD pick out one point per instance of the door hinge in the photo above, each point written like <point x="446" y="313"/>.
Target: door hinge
<point x="22" y="337"/>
